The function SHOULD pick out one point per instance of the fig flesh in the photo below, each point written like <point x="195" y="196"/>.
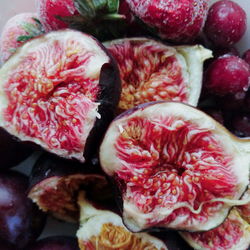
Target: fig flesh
<point x="153" y="71"/>
<point x="55" y="184"/>
<point x="175" y="167"/>
<point x="233" y="234"/>
<point x="104" y="230"/>
<point x="59" y="91"/>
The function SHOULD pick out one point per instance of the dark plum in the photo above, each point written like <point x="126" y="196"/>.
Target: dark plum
<point x="225" y="24"/>
<point x="21" y="221"/>
<point x="55" y="183"/>
<point x="55" y="243"/>
<point x="227" y="75"/>
<point x="241" y="125"/>
<point x="246" y="56"/>
<point x="12" y="152"/>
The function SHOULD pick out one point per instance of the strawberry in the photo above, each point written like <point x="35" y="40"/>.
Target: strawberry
<point x="178" y="20"/>
<point x="51" y="13"/>
<point x="17" y="30"/>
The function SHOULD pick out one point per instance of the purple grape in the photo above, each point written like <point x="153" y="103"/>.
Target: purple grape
<point x="56" y="243"/>
<point x="246" y="56"/>
<point x="21" y="221"/>
<point x="241" y="125"/>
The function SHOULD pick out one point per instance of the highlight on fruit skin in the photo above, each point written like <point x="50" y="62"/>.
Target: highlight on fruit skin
<point x="232" y="234"/>
<point x="175" y="167"/>
<point x="153" y="71"/>
<point x="60" y="91"/>
<point x="104" y="230"/>
<point x="55" y="183"/>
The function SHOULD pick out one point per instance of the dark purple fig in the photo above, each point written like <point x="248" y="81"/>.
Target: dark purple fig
<point x="102" y="229"/>
<point x="232" y="234"/>
<point x="55" y="183"/>
<point x="55" y="243"/>
<point x="175" y="167"/>
<point x="60" y="91"/>
<point x="21" y="221"/>
<point x="152" y="71"/>
<point x="12" y="152"/>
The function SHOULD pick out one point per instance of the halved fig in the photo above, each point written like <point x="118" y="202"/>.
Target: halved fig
<point x="175" y="167"/>
<point x="233" y="234"/>
<point x="153" y="71"/>
<point x="104" y="230"/>
<point x="55" y="183"/>
<point x="59" y="91"/>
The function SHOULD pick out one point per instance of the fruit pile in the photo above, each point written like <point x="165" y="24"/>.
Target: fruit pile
<point x="137" y="109"/>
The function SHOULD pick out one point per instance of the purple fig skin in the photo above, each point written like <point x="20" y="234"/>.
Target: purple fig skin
<point x="56" y="243"/>
<point x="12" y="152"/>
<point x="21" y="221"/>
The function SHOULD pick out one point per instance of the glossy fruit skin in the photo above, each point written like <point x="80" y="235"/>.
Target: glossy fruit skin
<point x="246" y="56"/>
<point x="12" y="152"/>
<point x="226" y="23"/>
<point x="21" y="221"/>
<point x="18" y="26"/>
<point x="178" y="21"/>
<point x="55" y="243"/>
<point x="48" y="10"/>
<point x="227" y="75"/>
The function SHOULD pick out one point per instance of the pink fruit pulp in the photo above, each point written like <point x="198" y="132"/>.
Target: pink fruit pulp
<point x="50" y="98"/>
<point x="179" y="20"/>
<point x="173" y="163"/>
<point x="148" y="73"/>
<point x="50" y="10"/>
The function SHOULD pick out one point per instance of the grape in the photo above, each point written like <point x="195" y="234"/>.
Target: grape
<point x="241" y="125"/>
<point x="246" y="56"/>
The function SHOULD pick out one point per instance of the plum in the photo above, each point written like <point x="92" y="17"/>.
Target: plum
<point x="226" y="23"/>
<point x="21" y="220"/>
<point x="55" y="243"/>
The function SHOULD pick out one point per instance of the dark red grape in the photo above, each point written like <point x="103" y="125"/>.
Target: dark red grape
<point x="226" y="23"/>
<point x="246" y="56"/>
<point x="241" y="125"/>
<point x="232" y="102"/>
<point x="12" y="152"/>
<point x="227" y="75"/>
<point x="21" y="221"/>
<point x="56" y="243"/>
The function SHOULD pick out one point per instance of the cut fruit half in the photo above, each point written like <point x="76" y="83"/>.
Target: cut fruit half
<point x="153" y="71"/>
<point x="59" y="91"/>
<point x="175" y="167"/>
<point x="55" y="184"/>
<point x="104" y="230"/>
<point x="244" y="210"/>
<point x="233" y="234"/>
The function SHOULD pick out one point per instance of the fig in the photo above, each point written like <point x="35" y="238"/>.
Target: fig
<point x="21" y="220"/>
<point x="56" y="243"/>
<point x="233" y="234"/>
<point x="59" y="91"/>
<point x="12" y="152"/>
<point x="153" y="71"/>
<point x="104" y="230"/>
<point x="244" y="210"/>
<point x="55" y="182"/>
<point x="175" y="167"/>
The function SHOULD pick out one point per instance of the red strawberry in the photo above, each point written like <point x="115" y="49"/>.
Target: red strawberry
<point x="16" y="31"/>
<point x="50" y="12"/>
<point x="178" y="20"/>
